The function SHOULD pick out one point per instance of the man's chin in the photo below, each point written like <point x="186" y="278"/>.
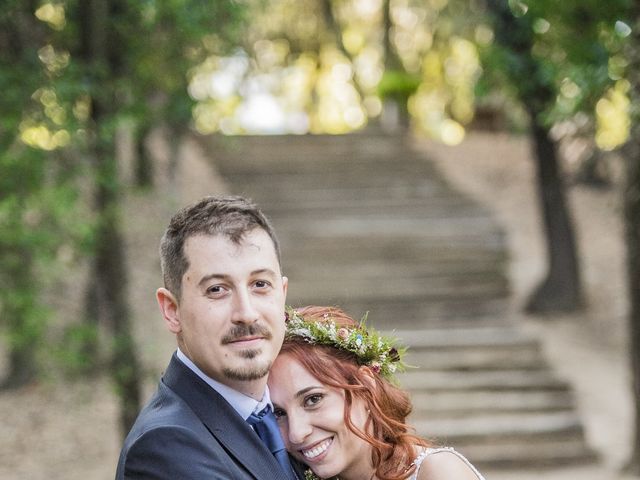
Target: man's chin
<point x="248" y="373"/>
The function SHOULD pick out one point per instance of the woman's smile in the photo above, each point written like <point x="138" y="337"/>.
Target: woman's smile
<point x="317" y="451"/>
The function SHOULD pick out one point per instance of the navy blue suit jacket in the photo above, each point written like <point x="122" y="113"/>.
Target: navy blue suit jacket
<point x="189" y="431"/>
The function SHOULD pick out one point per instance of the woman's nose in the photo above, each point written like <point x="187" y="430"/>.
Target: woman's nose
<point x="299" y="428"/>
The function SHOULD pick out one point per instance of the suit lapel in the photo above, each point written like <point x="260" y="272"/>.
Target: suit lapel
<point x="222" y="421"/>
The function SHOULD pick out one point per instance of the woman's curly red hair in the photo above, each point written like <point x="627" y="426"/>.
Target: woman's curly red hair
<point x="391" y="438"/>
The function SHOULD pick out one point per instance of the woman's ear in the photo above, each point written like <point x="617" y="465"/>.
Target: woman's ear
<point x="170" y="309"/>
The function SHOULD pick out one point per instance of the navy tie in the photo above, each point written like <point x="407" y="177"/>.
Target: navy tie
<point x="266" y="426"/>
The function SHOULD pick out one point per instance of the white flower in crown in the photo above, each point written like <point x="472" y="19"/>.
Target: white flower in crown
<point x="303" y="332"/>
<point x="332" y="331"/>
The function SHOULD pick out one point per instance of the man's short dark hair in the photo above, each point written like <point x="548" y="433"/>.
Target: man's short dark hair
<point x="230" y="216"/>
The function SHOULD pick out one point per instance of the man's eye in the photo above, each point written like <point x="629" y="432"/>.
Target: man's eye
<point x="279" y="413"/>
<point x="262" y="284"/>
<point x="215" y="289"/>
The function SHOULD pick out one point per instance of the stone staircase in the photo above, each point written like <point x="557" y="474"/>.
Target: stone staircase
<point x="367" y="223"/>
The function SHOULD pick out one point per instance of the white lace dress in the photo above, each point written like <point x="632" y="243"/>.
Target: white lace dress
<point x="431" y="451"/>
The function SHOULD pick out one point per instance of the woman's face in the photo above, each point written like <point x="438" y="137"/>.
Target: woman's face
<point x="311" y="419"/>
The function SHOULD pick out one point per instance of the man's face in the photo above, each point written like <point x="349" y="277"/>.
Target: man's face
<point x="230" y="318"/>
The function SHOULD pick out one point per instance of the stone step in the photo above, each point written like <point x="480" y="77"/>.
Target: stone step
<point x="368" y="138"/>
<point x="308" y="151"/>
<point x="280" y="206"/>
<point x="367" y="223"/>
<point x="517" y="456"/>
<point x="395" y="228"/>
<point x="405" y="164"/>
<point x="527" y="357"/>
<point x="464" y="404"/>
<point x="428" y="261"/>
<point x="398" y="262"/>
<point x="484" y="380"/>
<point x="357" y="187"/>
<point x="352" y="165"/>
<point x="537" y="440"/>
<point x="462" y="338"/>
<point x="369" y="273"/>
<point x="456" y="288"/>
<point x="501" y="428"/>
<point x="295" y="187"/>
<point x="461" y="251"/>
<point x="389" y="314"/>
<point x="302" y="245"/>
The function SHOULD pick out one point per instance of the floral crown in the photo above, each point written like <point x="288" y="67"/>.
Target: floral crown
<point x="370" y="347"/>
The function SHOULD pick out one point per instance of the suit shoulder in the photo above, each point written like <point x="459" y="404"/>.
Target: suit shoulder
<point x="172" y="451"/>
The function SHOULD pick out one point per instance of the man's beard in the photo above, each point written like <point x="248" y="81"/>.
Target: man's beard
<point x="253" y="372"/>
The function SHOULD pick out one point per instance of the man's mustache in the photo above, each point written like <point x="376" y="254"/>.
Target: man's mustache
<point x="240" y="331"/>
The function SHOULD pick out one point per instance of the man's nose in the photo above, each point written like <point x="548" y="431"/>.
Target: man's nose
<point x="244" y="310"/>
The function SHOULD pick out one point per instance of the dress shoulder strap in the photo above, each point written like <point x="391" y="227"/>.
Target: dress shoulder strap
<point x="431" y="451"/>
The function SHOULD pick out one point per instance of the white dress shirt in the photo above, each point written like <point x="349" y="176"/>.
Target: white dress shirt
<point x="243" y="404"/>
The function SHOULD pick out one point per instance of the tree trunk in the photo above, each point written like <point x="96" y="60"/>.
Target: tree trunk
<point x="561" y="289"/>
<point x="631" y="153"/>
<point x="395" y="111"/>
<point x="20" y="37"/>
<point x="632" y="238"/>
<point x="111" y="275"/>
<point x="593" y="171"/>
<point x="144" y="167"/>
<point x="25" y="326"/>
<point x="102" y="50"/>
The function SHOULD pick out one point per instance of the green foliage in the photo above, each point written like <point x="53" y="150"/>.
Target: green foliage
<point x="58" y="105"/>
<point x="398" y="85"/>
<point x="36" y="196"/>
<point x="563" y="48"/>
<point x="72" y="353"/>
<point x="165" y="40"/>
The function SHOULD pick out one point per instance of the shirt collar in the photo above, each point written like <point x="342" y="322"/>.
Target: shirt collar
<point x="242" y="403"/>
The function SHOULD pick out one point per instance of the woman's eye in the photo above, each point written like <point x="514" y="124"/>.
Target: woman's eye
<point x="313" y="400"/>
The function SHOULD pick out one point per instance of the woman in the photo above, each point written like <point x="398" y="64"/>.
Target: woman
<point x="339" y="413"/>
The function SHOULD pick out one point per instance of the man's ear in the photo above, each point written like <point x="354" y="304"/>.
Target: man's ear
<point x="285" y="286"/>
<point x="169" y="308"/>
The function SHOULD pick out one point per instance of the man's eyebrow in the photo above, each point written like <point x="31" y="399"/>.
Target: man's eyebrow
<point x="224" y="276"/>
<point x="211" y="276"/>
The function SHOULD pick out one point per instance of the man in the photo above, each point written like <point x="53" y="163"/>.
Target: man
<point x="223" y="298"/>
